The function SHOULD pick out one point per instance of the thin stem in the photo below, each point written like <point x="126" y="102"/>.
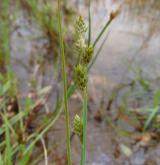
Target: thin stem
<point x="4" y="33"/>
<point x="98" y="52"/>
<point x="89" y="20"/>
<point x="45" y="151"/>
<point x="102" y="32"/>
<point x="85" y="102"/>
<point x="64" y="85"/>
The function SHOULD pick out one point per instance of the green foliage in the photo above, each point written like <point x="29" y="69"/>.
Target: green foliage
<point x="8" y="84"/>
<point x="5" y="88"/>
<point x="8" y="150"/>
<point x="154" y="110"/>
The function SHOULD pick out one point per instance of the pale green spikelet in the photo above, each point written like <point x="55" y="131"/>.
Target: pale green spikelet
<point x="80" y="45"/>
<point x="81" y="76"/>
<point x="81" y="27"/>
<point x="87" y="55"/>
<point x="78" y="126"/>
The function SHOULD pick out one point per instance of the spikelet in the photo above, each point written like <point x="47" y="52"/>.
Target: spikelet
<point x="81" y="27"/>
<point x="87" y="55"/>
<point x="81" y="76"/>
<point x="78" y="126"/>
<point x="80" y="45"/>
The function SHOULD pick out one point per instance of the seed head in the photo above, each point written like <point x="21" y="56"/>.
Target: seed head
<point x="81" y="76"/>
<point x="78" y="126"/>
<point x="81" y="27"/>
<point x="87" y="55"/>
<point x="80" y="45"/>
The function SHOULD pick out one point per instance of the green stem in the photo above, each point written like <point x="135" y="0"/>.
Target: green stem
<point x="64" y="86"/>
<point x="102" y="31"/>
<point x="4" y="33"/>
<point x="85" y="102"/>
<point x="98" y="52"/>
<point x="89" y="20"/>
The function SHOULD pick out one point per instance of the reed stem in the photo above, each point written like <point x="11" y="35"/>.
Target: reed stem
<point x="102" y="32"/>
<point x="89" y="20"/>
<point x="85" y="104"/>
<point x="64" y="85"/>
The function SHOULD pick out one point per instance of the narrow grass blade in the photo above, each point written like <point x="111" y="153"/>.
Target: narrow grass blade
<point x="8" y="150"/>
<point x="25" y="157"/>
<point x="102" y="32"/>
<point x="151" y="117"/>
<point x="7" y="124"/>
<point x="1" y="160"/>
<point x="90" y="22"/>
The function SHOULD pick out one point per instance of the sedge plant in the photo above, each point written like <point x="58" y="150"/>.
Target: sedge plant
<point x="85" y="51"/>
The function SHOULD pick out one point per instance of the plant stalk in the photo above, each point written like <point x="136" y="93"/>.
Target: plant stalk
<point x="89" y="20"/>
<point x="102" y="32"/>
<point x="85" y="104"/>
<point x="64" y="85"/>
